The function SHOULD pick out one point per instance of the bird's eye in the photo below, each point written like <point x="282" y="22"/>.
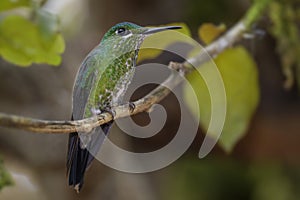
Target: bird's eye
<point x="121" y="31"/>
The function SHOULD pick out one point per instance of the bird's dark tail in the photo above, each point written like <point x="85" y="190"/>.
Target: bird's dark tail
<point x="79" y="159"/>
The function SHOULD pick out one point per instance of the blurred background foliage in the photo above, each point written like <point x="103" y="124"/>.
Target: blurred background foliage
<point x="225" y="179"/>
<point x="285" y="16"/>
<point x="5" y="178"/>
<point x="29" y="34"/>
<point x="260" y="76"/>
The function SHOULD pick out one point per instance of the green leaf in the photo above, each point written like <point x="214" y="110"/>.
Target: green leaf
<point x="239" y="73"/>
<point x="23" y="42"/>
<point x="161" y="40"/>
<point x="11" y="4"/>
<point x="208" y="32"/>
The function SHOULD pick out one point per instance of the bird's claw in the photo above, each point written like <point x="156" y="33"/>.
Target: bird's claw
<point x="131" y="107"/>
<point x="110" y="111"/>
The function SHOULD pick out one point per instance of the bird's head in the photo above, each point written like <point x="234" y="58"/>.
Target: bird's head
<point x="126" y="30"/>
<point x="124" y="38"/>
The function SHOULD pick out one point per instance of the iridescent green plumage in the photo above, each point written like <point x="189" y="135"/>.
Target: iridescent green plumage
<point x="104" y="68"/>
<point x="101" y="83"/>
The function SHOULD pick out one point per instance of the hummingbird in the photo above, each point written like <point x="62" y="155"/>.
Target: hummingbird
<point x="101" y="83"/>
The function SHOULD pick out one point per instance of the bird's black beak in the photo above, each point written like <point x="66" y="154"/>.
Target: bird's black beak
<point x="159" y="29"/>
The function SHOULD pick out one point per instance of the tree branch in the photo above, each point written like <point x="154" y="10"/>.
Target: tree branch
<point x="144" y="104"/>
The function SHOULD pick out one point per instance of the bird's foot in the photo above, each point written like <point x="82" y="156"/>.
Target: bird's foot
<point x="131" y="107"/>
<point x="110" y="111"/>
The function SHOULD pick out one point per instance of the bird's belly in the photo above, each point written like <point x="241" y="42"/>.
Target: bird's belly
<point x="121" y="88"/>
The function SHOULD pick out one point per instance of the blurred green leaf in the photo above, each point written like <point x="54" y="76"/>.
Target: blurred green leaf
<point x="164" y="41"/>
<point x="23" y="42"/>
<point x="11" y="4"/>
<point x="239" y="73"/>
<point x="5" y="178"/>
<point x="208" y="32"/>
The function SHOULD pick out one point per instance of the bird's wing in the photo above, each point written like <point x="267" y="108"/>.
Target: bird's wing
<point x="79" y="157"/>
<point x="85" y="82"/>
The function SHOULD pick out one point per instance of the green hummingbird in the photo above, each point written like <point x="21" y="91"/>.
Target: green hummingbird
<point x="101" y="83"/>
